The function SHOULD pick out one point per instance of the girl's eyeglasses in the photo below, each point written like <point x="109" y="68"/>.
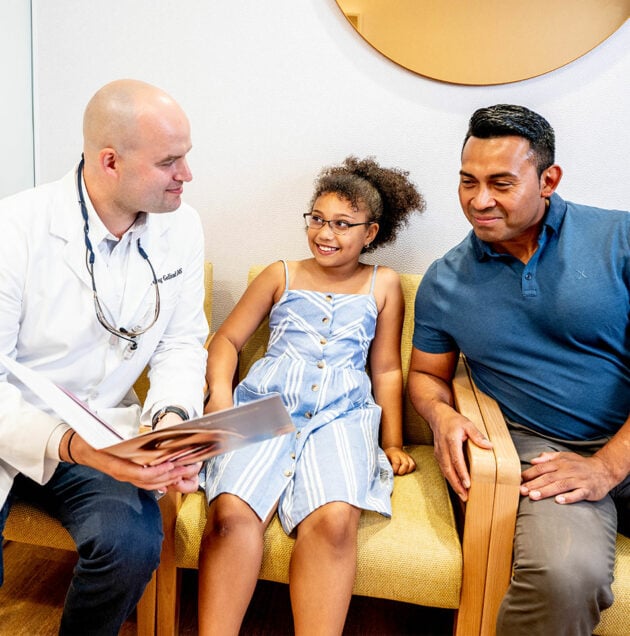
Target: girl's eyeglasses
<point x="338" y="226"/>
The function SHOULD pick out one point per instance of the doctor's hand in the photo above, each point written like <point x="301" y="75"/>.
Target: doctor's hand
<point x="165" y="476"/>
<point x="188" y="482"/>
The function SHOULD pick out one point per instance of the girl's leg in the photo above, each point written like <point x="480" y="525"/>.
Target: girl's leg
<point x="323" y="566"/>
<point x="229" y="563"/>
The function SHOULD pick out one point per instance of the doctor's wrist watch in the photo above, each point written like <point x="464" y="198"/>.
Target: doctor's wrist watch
<point x="178" y="410"/>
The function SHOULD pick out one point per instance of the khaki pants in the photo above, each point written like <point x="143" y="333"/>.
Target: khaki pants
<point x="563" y="554"/>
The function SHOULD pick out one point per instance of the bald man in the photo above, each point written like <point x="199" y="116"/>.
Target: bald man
<point x="101" y="274"/>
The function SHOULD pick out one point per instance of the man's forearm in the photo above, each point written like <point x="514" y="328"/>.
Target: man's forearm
<point x="429" y="395"/>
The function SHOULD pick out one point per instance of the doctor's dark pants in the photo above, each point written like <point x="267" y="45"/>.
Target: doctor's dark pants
<point x="117" y="529"/>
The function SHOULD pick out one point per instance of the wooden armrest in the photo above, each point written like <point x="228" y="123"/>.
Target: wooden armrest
<point x="478" y="510"/>
<point x="506" y="499"/>
<point x="485" y="413"/>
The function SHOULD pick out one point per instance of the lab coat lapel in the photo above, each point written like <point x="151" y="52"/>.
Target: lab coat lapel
<point x="67" y="224"/>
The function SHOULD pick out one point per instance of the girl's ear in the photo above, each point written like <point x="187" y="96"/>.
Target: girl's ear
<point x="371" y="233"/>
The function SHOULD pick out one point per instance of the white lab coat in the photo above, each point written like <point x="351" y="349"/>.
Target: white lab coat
<point x="48" y="322"/>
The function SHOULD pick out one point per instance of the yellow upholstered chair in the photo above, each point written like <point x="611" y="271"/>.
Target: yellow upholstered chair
<point x="416" y="557"/>
<point x="27" y="523"/>
<point x="615" y="621"/>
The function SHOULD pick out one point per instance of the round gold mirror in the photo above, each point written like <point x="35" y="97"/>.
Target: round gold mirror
<point x="485" y="42"/>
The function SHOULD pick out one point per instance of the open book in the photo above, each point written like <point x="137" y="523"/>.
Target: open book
<point x="188" y="442"/>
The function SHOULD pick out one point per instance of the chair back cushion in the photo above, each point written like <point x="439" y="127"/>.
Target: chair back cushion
<point x="415" y="429"/>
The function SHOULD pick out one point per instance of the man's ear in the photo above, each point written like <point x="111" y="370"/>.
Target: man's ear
<point x="108" y="159"/>
<point x="549" y="180"/>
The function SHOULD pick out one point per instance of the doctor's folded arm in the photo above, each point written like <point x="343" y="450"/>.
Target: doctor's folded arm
<point x="102" y="275"/>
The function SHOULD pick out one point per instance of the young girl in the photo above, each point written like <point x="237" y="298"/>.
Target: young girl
<point x="328" y="314"/>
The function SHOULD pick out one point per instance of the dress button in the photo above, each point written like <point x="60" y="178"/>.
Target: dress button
<point x="323" y="341"/>
<point x="308" y="416"/>
<point x="321" y="364"/>
<point x="329" y="297"/>
<point x="325" y="319"/>
<point x="288" y="473"/>
<point x="292" y="455"/>
<point x="315" y="387"/>
<point x="298" y="434"/>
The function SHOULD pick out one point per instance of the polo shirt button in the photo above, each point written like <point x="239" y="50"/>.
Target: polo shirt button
<point x="528" y="276"/>
<point x="328" y="297"/>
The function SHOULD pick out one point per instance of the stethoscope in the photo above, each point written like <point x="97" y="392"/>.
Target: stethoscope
<point x="126" y="334"/>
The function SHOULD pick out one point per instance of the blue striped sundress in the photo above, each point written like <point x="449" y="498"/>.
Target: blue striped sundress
<point x="316" y="359"/>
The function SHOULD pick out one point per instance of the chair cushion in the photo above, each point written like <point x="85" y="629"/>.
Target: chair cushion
<point x="415" y="557"/>
<point x="616" y="619"/>
<point x="28" y="524"/>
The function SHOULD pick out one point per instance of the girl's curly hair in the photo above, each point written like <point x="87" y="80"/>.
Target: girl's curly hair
<point x="387" y="193"/>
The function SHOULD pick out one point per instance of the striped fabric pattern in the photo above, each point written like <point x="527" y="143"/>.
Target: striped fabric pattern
<point x="316" y="359"/>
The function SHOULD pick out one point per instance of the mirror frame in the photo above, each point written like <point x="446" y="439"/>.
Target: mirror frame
<point x="440" y="39"/>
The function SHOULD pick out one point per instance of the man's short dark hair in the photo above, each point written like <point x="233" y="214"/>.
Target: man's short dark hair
<point x="502" y="120"/>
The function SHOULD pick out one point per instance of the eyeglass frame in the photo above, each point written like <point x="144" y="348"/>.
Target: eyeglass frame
<point x="330" y="223"/>
<point x="126" y="334"/>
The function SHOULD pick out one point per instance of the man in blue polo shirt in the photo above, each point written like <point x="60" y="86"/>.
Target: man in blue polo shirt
<point x="538" y="299"/>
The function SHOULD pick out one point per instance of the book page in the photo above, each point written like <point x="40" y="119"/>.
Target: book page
<point x="187" y="442"/>
<point x="209" y="435"/>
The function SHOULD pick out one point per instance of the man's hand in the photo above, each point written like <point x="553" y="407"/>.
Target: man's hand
<point x="429" y="385"/>
<point x="189" y="482"/>
<point x="165" y="476"/>
<point x="448" y="448"/>
<point x="568" y="477"/>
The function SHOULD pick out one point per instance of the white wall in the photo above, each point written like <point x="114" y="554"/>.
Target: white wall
<point x="275" y="90"/>
<point x="16" y="112"/>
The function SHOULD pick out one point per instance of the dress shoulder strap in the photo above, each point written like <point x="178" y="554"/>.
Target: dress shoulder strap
<point x="373" y="279"/>
<point x="286" y="275"/>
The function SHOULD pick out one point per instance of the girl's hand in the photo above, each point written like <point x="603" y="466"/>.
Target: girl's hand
<point x="401" y="462"/>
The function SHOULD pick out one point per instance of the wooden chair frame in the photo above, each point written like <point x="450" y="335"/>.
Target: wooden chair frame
<point x="615" y="620"/>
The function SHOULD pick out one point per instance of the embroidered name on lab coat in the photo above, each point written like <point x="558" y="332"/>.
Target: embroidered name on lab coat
<point x="166" y="277"/>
